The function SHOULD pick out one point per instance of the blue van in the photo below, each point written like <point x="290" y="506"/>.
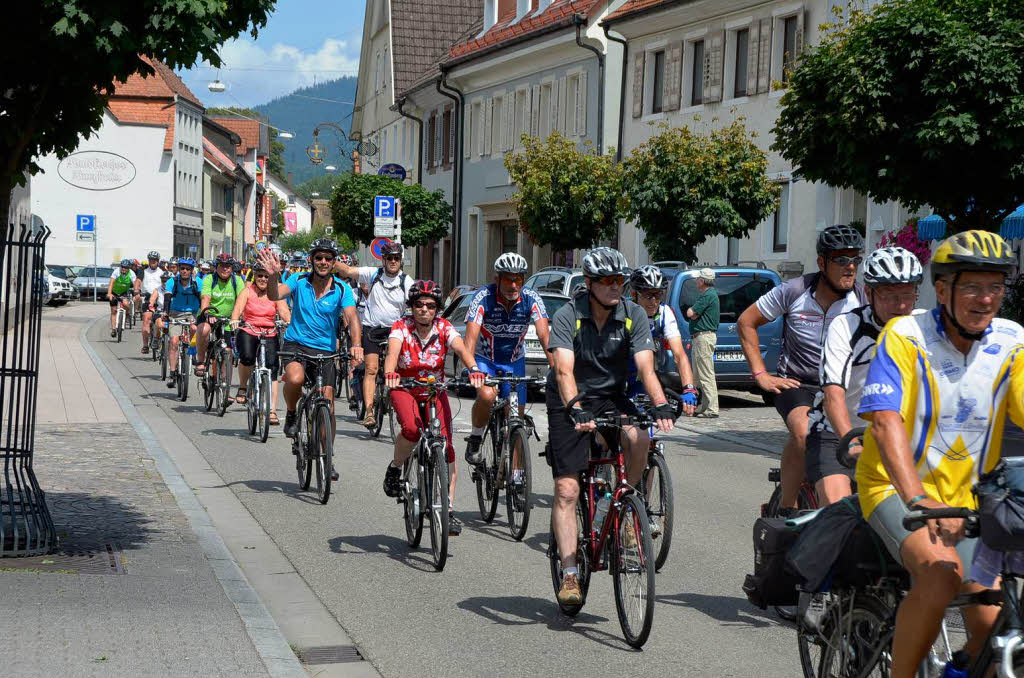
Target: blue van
<point x="738" y="287"/>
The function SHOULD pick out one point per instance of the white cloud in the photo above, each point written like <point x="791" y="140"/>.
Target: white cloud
<point x="255" y="75"/>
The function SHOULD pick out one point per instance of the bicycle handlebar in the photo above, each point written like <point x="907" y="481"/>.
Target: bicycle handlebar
<point x="508" y="379"/>
<point x="319" y="357"/>
<point x="182" y="320"/>
<point x="843" y="448"/>
<point x="917" y="518"/>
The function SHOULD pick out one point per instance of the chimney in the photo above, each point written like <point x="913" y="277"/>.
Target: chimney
<point x="289" y="178"/>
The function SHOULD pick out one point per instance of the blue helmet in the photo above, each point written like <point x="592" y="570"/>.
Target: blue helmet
<point x="186" y="261"/>
<point x="126" y="263"/>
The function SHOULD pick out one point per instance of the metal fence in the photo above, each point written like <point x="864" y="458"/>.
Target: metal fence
<point x="25" y="524"/>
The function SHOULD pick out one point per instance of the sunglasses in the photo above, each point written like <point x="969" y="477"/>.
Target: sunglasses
<point x="393" y="257"/>
<point x="323" y="257"/>
<point x="512" y="278"/>
<point x="429" y="305"/>
<point x="261" y="275"/>
<point x="609" y="280"/>
<point x="656" y="294"/>
<point x="846" y="261"/>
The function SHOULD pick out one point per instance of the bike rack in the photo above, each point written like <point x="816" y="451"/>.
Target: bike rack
<point x="26" y="528"/>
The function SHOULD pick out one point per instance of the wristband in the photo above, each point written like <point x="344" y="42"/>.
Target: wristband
<point x="755" y="375"/>
<point x="912" y="504"/>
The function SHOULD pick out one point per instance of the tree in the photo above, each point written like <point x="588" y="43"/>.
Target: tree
<point x="66" y="56"/>
<point x="685" y="187"/>
<point x="275" y="161"/>
<point x="918" y="101"/>
<point x="426" y="215"/>
<point x="568" y="198"/>
<point x="323" y="184"/>
<point x="301" y="242"/>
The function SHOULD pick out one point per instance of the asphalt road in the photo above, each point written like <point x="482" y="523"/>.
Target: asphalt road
<point x="492" y="610"/>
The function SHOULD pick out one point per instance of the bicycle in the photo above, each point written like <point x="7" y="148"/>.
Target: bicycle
<point x="656" y="487"/>
<point x="621" y="543"/>
<point x="164" y="349"/>
<point x="381" y="400"/>
<point x="119" y="323"/>
<point x="807" y="500"/>
<point x="499" y="469"/>
<point x="425" y="477"/>
<point x="259" y="388"/>
<point x="314" y="440"/>
<point x="216" y="381"/>
<point x="184" y="353"/>
<point x="130" y="318"/>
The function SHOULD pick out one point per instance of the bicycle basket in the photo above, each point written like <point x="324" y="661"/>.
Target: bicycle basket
<point x="1000" y="494"/>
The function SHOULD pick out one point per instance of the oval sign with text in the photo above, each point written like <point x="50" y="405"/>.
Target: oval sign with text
<point x="392" y="171"/>
<point x="96" y="170"/>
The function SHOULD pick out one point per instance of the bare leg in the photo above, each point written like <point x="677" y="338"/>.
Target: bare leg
<point x="563" y="518"/>
<point x="793" y="456"/>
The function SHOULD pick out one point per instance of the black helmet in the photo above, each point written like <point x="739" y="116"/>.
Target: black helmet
<point x="840" y="237"/>
<point x="323" y="245"/>
<point x="258" y="266"/>
<point x="391" y="248"/>
<point x="153" y="255"/>
<point x="602" y="261"/>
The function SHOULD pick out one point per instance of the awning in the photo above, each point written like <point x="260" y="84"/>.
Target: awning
<point x="1012" y="227"/>
<point x="931" y="228"/>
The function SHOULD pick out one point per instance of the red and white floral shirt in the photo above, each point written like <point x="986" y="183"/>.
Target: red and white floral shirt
<point x="423" y="359"/>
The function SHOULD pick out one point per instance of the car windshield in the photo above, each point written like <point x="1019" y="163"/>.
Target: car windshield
<point x="89" y="272"/>
<point x="552" y="304"/>
<point x="736" y="291"/>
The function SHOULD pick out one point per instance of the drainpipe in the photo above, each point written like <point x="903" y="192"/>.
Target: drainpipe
<point x="419" y="147"/>
<point x="622" y="93"/>
<point x="457" y="169"/>
<point x="580" y="21"/>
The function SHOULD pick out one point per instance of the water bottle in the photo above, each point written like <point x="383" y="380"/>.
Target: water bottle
<point x="602" y="510"/>
<point x="957" y="666"/>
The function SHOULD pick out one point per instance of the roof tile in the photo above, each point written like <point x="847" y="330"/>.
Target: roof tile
<point x="422" y="31"/>
<point x="507" y="28"/>
<point x="633" y="6"/>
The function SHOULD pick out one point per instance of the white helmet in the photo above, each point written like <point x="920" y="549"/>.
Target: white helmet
<point x="647" y="278"/>
<point x="892" y="266"/>
<point x="602" y="261"/>
<point x="510" y="262"/>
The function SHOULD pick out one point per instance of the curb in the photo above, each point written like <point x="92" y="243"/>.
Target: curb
<point x="263" y="631"/>
<point x="728" y="437"/>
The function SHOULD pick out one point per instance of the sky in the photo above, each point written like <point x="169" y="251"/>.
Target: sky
<point x="304" y="41"/>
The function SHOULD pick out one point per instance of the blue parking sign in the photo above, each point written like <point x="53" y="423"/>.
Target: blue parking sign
<point x="85" y="222"/>
<point x="384" y="207"/>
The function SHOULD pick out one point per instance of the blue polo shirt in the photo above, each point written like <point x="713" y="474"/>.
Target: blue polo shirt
<point x="315" y="321"/>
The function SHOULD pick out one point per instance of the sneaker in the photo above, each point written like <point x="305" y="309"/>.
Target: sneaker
<point x="393" y="481"/>
<point x="145" y="350"/>
<point x="454" y="525"/>
<point x="655" y="527"/>
<point x="570" y="593"/>
<point x="817" y="608"/>
<point x="172" y="380"/>
<point x="473" y="455"/>
<point x="708" y="415"/>
<point x="291" y="424"/>
<point x="334" y="474"/>
<point x="113" y="333"/>
<point x="369" y="422"/>
<point x="629" y="535"/>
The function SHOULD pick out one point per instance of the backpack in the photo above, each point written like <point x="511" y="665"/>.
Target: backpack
<point x="378" y="277"/>
<point x="176" y="287"/>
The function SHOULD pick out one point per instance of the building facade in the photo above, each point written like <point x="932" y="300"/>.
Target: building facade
<point x="298" y="212"/>
<point x="252" y="153"/>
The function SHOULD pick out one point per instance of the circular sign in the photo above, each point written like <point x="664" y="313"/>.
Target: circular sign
<point x="376" y="245"/>
<point x="392" y="171"/>
<point x="96" y="170"/>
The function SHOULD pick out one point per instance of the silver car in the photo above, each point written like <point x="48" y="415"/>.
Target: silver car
<point x="89" y="279"/>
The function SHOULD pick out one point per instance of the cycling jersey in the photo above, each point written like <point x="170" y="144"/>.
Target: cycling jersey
<point x="423" y="359"/>
<point x="804" y="323"/>
<point x="152" y="280"/>
<point x="315" y="320"/>
<point x="184" y="295"/>
<point x="222" y="293"/>
<point x="503" y="328"/>
<point x="386" y="300"/>
<point x="122" y="281"/>
<point x="664" y="327"/>
<point x="954" y="407"/>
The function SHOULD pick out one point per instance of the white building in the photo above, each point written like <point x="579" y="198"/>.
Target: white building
<point x="298" y="213"/>
<point x="140" y="175"/>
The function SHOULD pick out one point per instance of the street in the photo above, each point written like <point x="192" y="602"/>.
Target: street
<point x="492" y="609"/>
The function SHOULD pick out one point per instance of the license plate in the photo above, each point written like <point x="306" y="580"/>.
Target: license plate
<point x="729" y="356"/>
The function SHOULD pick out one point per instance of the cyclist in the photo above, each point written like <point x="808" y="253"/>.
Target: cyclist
<point x="385" y="303"/>
<point x="891" y="277"/>
<point x="181" y="296"/>
<point x="204" y="270"/>
<point x="807" y="305"/>
<point x="260" y="314"/>
<point x="150" y="282"/>
<point x="593" y="339"/>
<point x="219" y="292"/>
<point x="648" y="284"/>
<point x="496" y="324"/>
<point x="171" y="269"/>
<point x="122" y="281"/>
<point x="937" y="396"/>
<point x="318" y="300"/>
<point x="417" y="347"/>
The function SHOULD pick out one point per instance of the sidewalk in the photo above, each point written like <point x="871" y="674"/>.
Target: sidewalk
<point x="131" y="590"/>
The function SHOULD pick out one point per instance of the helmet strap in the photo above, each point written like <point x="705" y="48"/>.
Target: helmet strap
<point x="950" y="314"/>
<point x="594" y="299"/>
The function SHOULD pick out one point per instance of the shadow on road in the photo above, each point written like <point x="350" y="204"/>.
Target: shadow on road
<point x="729" y="610"/>
<point x="386" y="545"/>
<point x="276" y="486"/>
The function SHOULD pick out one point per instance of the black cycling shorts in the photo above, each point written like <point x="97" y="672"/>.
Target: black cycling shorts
<point x="248" y="346"/>
<point x="117" y="299"/>
<point x="820" y="460"/>
<point x="792" y="398"/>
<point x="298" y="351"/>
<point x="569" y="450"/>
<point x="372" y="339"/>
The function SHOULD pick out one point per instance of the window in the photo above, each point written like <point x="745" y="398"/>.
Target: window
<point x="697" y="74"/>
<point x="510" y="238"/>
<point x="736" y="292"/>
<point x="291" y="198"/>
<point x="658" y="83"/>
<point x="780" y="222"/>
<point x="742" y="55"/>
<point x="789" y="26"/>
<point x="497" y="106"/>
<point x="446" y="137"/>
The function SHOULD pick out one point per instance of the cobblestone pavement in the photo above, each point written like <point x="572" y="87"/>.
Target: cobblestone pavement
<point x="129" y="591"/>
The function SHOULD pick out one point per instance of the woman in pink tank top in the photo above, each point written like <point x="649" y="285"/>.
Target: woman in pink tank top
<point x="259" y="313"/>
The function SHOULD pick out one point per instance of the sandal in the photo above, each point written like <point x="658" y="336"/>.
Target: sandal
<point x="274" y="420"/>
<point x="240" y="397"/>
<point x="200" y="370"/>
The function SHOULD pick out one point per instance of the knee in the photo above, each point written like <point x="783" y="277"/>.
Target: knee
<point x="487" y="394"/>
<point x="370" y="369"/>
<point x="567" y="491"/>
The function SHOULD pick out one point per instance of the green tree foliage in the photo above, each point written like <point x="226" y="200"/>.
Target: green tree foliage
<point x="426" y="215"/>
<point x="275" y="161"/>
<point x="568" y="198"/>
<point x="323" y="184"/>
<point x="301" y="242"/>
<point x="686" y="186"/>
<point x="65" y="57"/>
<point x="919" y="101"/>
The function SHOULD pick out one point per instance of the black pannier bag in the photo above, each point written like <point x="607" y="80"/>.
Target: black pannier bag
<point x="771" y="583"/>
<point x="1000" y="494"/>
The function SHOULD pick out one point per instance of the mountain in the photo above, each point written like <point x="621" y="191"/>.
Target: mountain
<point x="300" y="112"/>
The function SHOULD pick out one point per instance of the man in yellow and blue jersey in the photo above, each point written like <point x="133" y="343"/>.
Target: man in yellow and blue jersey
<point x="937" y="394"/>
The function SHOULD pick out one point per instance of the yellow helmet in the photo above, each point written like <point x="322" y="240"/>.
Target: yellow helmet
<point x="975" y="250"/>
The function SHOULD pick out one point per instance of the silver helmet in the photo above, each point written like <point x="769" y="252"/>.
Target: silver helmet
<point x="510" y="262"/>
<point x="602" y="261"/>
<point x="647" y="278"/>
<point x="892" y="266"/>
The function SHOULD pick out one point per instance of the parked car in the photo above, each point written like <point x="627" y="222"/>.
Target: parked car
<point x="90" y="278"/>
<point x="63" y="272"/>
<point x="60" y="291"/>
<point x="737" y="287"/>
<point x="556" y="280"/>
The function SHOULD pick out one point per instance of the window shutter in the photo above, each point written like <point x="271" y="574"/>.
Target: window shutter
<point x="554" y="106"/>
<point x="485" y="146"/>
<point x="753" y="41"/>
<point x="510" y="121"/>
<point x="673" y="85"/>
<point x="563" y="106"/>
<point x="713" y="70"/>
<point x="764" y="57"/>
<point x="535" y="115"/>
<point x="467" y="132"/>
<point x="581" y="108"/>
<point x="798" y="46"/>
<point x="501" y="125"/>
<point x="638" y="84"/>
<point x="438" y="138"/>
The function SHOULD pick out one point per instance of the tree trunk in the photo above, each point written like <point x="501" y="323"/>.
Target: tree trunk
<point x="6" y="186"/>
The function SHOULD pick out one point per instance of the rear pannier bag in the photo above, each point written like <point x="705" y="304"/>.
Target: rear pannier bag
<point x="771" y="583"/>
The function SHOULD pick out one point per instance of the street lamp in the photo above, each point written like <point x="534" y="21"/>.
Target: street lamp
<point x="285" y="135"/>
<point x="330" y="168"/>
<point x="315" y="194"/>
<point x="217" y="86"/>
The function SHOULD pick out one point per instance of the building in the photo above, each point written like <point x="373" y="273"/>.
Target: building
<point x="719" y="60"/>
<point x="140" y="175"/>
<point x="298" y="211"/>
<point x="223" y="178"/>
<point x="252" y="154"/>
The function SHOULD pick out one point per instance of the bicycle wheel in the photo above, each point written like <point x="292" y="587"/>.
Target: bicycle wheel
<point x="223" y="385"/>
<point x="657" y="490"/>
<point x="322" y="444"/>
<point x="486" y="474"/>
<point x="184" y="369"/>
<point x="263" y="411"/>
<point x="209" y="385"/>
<point x="392" y="420"/>
<point x="163" y="357"/>
<point x="346" y="382"/>
<point x="251" y="403"/>
<point x="854" y="642"/>
<point x="303" y="460"/>
<point x="517" y="489"/>
<point x="582" y="558"/>
<point x="633" y="571"/>
<point x="437" y="501"/>
<point x="378" y="407"/>
<point x="412" y="494"/>
<point x="120" y="324"/>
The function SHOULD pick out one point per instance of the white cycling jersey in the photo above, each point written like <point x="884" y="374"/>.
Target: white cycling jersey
<point x="152" y="279"/>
